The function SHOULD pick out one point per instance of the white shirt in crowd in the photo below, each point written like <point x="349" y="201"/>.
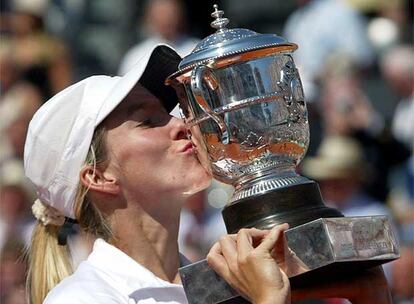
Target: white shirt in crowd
<point x="403" y="121"/>
<point x="111" y="276"/>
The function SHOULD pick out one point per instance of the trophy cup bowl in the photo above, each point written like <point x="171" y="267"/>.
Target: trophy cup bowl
<point x="242" y="98"/>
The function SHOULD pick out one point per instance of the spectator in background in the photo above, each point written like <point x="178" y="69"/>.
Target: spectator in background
<point x="164" y="21"/>
<point x="345" y="110"/>
<point x="344" y="106"/>
<point x="323" y="28"/>
<point x="12" y="273"/>
<point x="40" y="58"/>
<point x="8" y="72"/>
<point x="17" y="107"/>
<point x="341" y="170"/>
<point x="14" y="210"/>
<point x="16" y="196"/>
<point x="97" y="32"/>
<point x="16" y="226"/>
<point x="397" y="66"/>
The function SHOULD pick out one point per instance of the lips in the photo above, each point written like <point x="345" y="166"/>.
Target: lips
<point x="188" y="148"/>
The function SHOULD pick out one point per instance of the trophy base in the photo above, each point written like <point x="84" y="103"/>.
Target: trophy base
<point x="318" y="250"/>
<point x="294" y="204"/>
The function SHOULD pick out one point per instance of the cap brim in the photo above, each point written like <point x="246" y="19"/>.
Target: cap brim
<point x="150" y="71"/>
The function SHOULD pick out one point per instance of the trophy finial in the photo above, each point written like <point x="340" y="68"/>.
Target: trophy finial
<point x="219" y="23"/>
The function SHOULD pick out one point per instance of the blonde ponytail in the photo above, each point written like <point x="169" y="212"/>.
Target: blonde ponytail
<point x="49" y="263"/>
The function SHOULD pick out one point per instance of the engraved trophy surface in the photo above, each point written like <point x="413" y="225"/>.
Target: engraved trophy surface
<point x="242" y="98"/>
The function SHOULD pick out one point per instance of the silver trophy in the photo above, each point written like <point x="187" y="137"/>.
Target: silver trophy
<point x="243" y="103"/>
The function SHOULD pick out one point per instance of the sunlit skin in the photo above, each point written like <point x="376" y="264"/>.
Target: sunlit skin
<point x="151" y="171"/>
<point x="150" y="153"/>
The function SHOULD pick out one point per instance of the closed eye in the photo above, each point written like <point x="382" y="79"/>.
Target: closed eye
<point x="145" y="123"/>
<point x="154" y="121"/>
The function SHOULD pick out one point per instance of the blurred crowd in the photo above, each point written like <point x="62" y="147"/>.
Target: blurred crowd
<point x="356" y="60"/>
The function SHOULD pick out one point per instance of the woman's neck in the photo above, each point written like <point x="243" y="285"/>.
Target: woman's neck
<point x="150" y="241"/>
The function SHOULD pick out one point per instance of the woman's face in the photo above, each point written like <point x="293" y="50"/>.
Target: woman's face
<point x="149" y="153"/>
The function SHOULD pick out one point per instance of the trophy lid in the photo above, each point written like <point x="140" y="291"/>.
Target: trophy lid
<point x="225" y="42"/>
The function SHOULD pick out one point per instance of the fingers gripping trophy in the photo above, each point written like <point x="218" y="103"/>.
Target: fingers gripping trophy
<point x="243" y="103"/>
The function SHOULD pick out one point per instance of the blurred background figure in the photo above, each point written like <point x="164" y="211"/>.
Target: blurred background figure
<point x="397" y="66"/>
<point x="164" y="21"/>
<point x="17" y="106"/>
<point x="16" y="224"/>
<point x="15" y="219"/>
<point x="12" y="273"/>
<point x="325" y="28"/>
<point x="40" y="58"/>
<point x="341" y="171"/>
<point x="345" y="109"/>
<point x="96" y="33"/>
<point x="355" y="58"/>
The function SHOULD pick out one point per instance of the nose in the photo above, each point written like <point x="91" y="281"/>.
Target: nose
<point x="178" y="129"/>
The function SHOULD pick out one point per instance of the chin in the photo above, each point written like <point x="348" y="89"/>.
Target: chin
<point x="202" y="183"/>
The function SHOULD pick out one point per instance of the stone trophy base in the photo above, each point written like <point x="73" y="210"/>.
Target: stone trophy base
<point x="321" y="243"/>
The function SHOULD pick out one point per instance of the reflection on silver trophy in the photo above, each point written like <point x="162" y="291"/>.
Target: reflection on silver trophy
<point x="249" y="110"/>
<point x="242" y="98"/>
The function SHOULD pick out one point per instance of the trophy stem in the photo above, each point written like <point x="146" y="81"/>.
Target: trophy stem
<point x="296" y="204"/>
<point x="267" y="181"/>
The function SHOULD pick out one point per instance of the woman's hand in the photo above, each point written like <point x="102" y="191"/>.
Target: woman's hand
<point x="246" y="261"/>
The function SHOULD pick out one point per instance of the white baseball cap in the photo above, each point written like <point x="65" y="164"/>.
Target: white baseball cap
<point x="61" y="131"/>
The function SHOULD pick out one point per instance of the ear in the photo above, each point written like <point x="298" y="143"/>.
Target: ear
<point x="99" y="181"/>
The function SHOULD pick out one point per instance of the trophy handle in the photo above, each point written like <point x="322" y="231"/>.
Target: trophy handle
<point x="198" y="75"/>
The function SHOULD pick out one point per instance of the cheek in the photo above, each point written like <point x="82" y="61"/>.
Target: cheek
<point x="140" y="157"/>
<point x="132" y="146"/>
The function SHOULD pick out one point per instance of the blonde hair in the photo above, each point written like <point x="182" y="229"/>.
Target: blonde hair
<point x="49" y="263"/>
